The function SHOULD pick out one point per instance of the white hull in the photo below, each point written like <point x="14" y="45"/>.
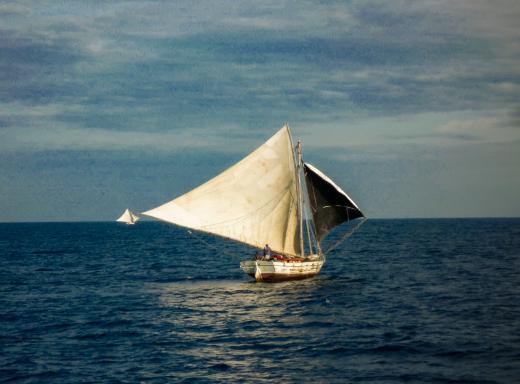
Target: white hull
<point x="274" y="270"/>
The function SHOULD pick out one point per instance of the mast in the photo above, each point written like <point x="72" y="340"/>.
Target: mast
<point x="306" y="207"/>
<point x="300" y="196"/>
<point x="304" y="199"/>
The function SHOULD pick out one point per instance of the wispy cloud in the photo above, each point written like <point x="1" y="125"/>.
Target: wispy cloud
<point x="193" y="64"/>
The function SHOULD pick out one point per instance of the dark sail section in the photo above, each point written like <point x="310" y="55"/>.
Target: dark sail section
<point x="330" y="205"/>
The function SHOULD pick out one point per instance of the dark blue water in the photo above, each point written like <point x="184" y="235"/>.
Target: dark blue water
<point x="429" y="301"/>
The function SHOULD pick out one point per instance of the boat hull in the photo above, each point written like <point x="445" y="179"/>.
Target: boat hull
<point x="274" y="270"/>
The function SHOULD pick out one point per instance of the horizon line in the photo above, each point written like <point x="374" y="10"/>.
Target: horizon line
<point x="369" y="218"/>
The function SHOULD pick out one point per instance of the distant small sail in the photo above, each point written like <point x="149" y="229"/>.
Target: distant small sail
<point x="128" y="217"/>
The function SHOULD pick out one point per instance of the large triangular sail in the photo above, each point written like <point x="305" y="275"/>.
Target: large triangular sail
<point x="255" y="201"/>
<point x="330" y="205"/>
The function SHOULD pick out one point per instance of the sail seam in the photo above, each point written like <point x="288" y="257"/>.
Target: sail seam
<point x="245" y="216"/>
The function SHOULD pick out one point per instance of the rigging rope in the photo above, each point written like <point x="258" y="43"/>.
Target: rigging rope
<point x="220" y="250"/>
<point x="234" y="256"/>
<point x="346" y="236"/>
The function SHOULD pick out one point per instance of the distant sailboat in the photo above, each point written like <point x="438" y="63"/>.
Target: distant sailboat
<point x="128" y="217"/>
<point x="263" y="200"/>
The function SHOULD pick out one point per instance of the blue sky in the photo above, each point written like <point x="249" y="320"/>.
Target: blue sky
<point x="413" y="107"/>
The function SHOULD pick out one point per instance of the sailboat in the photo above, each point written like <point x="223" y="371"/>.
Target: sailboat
<point x="271" y="197"/>
<point x="128" y="217"/>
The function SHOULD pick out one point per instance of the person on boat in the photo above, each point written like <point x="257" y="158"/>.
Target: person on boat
<point x="267" y="252"/>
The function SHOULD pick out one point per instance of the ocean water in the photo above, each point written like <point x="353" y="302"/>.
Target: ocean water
<point x="416" y="301"/>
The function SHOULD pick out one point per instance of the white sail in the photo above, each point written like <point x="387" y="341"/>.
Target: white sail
<point x="254" y="201"/>
<point x="128" y="217"/>
<point x="135" y="218"/>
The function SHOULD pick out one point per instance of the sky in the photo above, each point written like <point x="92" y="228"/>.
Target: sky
<point x="412" y="107"/>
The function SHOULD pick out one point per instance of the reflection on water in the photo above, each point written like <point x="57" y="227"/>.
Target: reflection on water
<point x="244" y="327"/>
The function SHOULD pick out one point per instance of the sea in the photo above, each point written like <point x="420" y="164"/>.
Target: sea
<point x="401" y="301"/>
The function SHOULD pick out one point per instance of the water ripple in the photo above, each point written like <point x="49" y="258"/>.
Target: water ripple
<point x="403" y="301"/>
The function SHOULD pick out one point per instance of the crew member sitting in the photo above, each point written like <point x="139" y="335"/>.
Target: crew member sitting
<point x="267" y="252"/>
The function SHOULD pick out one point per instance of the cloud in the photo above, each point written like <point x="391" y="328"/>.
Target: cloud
<point x="12" y="9"/>
<point x="41" y="138"/>
<point x="37" y="130"/>
<point x="37" y="69"/>
<point x="183" y="64"/>
<point x="514" y="118"/>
